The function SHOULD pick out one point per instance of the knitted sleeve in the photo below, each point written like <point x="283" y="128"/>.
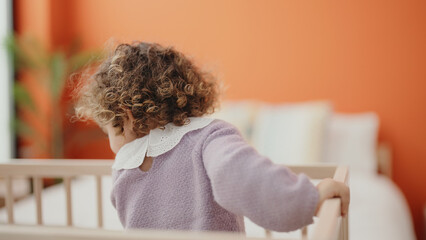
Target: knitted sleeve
<point x="246" y="183"/>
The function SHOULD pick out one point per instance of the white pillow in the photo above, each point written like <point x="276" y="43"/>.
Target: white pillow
<point x="291" y="133"/>
<point x="240" y="114"/>
<point x="352" y="140"/>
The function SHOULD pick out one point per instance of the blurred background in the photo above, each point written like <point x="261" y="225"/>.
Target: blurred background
<point x="358" y="56"/>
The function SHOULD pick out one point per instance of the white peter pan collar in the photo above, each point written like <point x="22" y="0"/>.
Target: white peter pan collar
<point x="157" y="142"/>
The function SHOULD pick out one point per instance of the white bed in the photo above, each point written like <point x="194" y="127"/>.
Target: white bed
<point x="378" y="209"/>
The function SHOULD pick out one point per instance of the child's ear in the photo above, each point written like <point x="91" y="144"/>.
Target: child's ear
<point x="128" y="125"/>
<point x="130" y="116"/>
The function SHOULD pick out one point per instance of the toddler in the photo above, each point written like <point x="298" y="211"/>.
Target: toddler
<point x="174" y="168"/>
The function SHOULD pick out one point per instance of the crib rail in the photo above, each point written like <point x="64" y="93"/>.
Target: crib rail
<point x="329" y="226"/>
<point x="66" y="169"/>
<point x="14" y="232"/>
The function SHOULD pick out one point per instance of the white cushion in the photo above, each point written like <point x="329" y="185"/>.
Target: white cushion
<point x="291" y="133"/>
<point x="352" y="140"/>
<point x="240" y="114"/>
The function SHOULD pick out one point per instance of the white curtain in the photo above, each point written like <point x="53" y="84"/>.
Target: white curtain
<point x="6" y="107"/>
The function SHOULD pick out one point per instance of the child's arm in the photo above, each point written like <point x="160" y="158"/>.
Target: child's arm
<point x="249" y="184"/>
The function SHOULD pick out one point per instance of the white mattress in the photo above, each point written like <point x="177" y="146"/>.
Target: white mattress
<point x="378" y="209"/>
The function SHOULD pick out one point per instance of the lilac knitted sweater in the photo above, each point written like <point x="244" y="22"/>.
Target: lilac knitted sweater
<point x="208" y="182"/>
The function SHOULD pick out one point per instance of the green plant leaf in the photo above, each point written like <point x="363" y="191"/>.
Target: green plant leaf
<point x="22" y="128"/>
<point x="57" y="69"/>
<point x="51" y="70"/>
<point x="36" y="55"/>
<point x="13" y="48"/>
<point x="9" y="45"/>
<point x="83" y="59"/>
<point x="26" y="51"/>
<point x="23" y="98"/>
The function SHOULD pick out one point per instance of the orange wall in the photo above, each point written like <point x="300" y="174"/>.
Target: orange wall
<point x="362" y="55"/>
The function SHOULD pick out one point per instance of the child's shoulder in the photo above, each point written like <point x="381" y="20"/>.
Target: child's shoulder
<point x="217" y="127"/>
<point x="218" y="124"/>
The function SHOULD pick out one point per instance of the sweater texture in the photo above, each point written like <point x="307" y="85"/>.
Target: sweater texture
<point x="208" y="182"/>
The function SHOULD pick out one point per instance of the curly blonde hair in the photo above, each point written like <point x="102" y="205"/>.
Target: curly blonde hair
<point x="159" y="85"/>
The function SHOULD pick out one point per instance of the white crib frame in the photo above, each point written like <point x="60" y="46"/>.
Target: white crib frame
<point x="330" y="225"/>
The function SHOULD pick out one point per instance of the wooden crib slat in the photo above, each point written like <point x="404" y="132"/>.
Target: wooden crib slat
<point x="344" y="229"/>
<point x="67" y="184"/>
<point x="99" y="200"/>
<point x="9" y="200"/>
<point x="37" y="188"/>
<point x="268" y="233"/>
<point x="304" y="233"/>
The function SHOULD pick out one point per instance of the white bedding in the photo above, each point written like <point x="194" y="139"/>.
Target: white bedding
<point x="378" y="209"/>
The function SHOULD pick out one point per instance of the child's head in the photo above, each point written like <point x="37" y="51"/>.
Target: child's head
<point x="156" y="85"/>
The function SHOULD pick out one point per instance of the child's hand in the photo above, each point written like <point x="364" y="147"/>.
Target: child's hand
<point x="329" y="188"/>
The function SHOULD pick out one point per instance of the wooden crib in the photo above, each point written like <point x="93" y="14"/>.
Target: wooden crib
<point x="330" y="226"/>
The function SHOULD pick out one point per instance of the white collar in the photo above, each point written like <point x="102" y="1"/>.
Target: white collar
<point x="157" y="142"/>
